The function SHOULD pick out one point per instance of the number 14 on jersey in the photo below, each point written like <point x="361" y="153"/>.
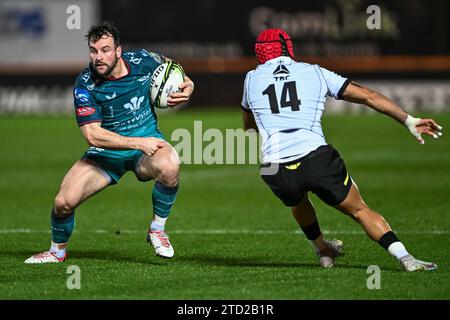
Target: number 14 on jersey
<point x="289" y="91"/>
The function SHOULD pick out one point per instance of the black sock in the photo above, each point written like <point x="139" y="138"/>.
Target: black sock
<point x="312" y="232"/>
<point x="387" y="239"/>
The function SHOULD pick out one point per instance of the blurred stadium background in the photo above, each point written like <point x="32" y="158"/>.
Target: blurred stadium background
<point x="225" y="247"/>
<point x="407" y="59"/>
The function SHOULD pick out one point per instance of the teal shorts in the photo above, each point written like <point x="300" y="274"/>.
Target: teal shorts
<point x="114" y="163"/>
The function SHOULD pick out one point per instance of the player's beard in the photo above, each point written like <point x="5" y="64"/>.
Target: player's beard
<point x="108" y="70"/>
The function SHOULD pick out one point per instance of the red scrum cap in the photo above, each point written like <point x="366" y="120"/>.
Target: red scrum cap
<point x="272" y="43"/>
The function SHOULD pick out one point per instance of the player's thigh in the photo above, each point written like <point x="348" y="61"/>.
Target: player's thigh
<point x="353" y="203"/>
<point x="328" y="177"/>
<point x="165" y="160"/>
<point x="304" y="207"/>
<point x="287" y="184"/>
<point x="83" y="180"/>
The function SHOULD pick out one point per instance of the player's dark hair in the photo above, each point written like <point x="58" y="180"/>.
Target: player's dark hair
<point x="284" y="48"/>
<point x="96" y="32"/>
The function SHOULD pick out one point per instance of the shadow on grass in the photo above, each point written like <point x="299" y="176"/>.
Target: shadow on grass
<point x="148" y="258"/>
<point x="113" y="256"/>
<point x="83" y="256"/>
<point x="259" y="262"/>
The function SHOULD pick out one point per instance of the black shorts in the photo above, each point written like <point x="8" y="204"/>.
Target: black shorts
<point x="321" y="171"/>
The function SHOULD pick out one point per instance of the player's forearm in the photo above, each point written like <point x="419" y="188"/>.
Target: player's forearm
<point x="102" y="138"/>
<point x="384" y="105"/>
<point x="360" y="94"/>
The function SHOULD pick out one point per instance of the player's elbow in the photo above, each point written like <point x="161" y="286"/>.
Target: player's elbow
<point x="90" y="136"/>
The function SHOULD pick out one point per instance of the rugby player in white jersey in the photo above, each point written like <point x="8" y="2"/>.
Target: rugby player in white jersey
<point x="284" y="101"/>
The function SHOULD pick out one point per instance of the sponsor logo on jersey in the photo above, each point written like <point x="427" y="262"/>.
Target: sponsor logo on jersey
<point x="145" y="78"/>
<point x="86" y="77"/>
<point x="85" y="111"/>
<point x="81" y="95"/>
<point x="111" y="97"/>
<point x="134" y="104"/>
<point x="134" y="122"/>
<point x="281" y="72"/>
<point x="133" y="59"/>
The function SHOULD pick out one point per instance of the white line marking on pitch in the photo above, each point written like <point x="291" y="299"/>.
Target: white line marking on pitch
<point x="223" y="231"/>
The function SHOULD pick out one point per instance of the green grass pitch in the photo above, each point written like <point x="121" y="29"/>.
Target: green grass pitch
<point x="233" y="239"/>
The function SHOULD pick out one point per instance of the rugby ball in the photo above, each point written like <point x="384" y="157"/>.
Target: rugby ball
<point x="164" y="81"/>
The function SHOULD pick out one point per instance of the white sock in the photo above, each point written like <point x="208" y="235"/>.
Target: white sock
<point x="398" y="250"/>
<point x="56" y="250"/>
<point x="158" y="223"/>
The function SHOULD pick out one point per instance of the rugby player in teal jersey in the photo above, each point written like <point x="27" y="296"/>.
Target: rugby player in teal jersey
<point x="118" y="121"/>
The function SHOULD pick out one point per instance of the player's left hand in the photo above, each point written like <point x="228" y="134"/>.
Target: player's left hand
<point x="187" y="87"/>
<point x="418" y="126"/>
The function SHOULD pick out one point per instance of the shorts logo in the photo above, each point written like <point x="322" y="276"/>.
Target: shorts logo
<point x="85" y="111"/>
<point x="293" y="166"/>
<point x="346" y="180"/>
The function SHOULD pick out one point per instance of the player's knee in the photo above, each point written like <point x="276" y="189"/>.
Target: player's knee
<point x="168" y="175"/>
<point x="63" y="206"/>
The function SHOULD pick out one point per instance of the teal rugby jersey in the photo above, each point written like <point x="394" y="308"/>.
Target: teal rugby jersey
<point x="121" y="105"/>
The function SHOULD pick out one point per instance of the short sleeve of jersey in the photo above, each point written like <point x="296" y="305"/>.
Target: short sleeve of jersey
<point x="336" y="84"/>
<point x="86" y="109"/>
<point x="245" y="105"/>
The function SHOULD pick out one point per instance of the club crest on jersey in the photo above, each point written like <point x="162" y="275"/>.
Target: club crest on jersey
<point x="85" y="111"/>
<point x="281" y="73"/>
<point x="134" y="104"/>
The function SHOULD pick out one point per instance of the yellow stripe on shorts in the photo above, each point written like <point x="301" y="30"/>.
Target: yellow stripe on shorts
<point x="293" y="166"/>
<point x="346" y="180"/>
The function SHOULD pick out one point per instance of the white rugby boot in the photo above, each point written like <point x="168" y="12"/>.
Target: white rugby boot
<point x="160" y="241"/>
<point x="411" y="264"/>
<point x="327" y="256"/>
<point x="45" y="257"/>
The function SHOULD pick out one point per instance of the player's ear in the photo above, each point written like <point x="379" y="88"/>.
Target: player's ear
<point x="118" y="51"/>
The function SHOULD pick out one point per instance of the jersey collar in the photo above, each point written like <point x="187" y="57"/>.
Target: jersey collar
<point x="281" y="59"/>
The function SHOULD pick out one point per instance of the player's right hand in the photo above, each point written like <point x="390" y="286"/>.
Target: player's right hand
<point x="151" y="145"/>
<point x="418" y="126"/>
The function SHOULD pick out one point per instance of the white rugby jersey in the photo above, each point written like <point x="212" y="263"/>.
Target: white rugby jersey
<point x="287" y="100"/>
